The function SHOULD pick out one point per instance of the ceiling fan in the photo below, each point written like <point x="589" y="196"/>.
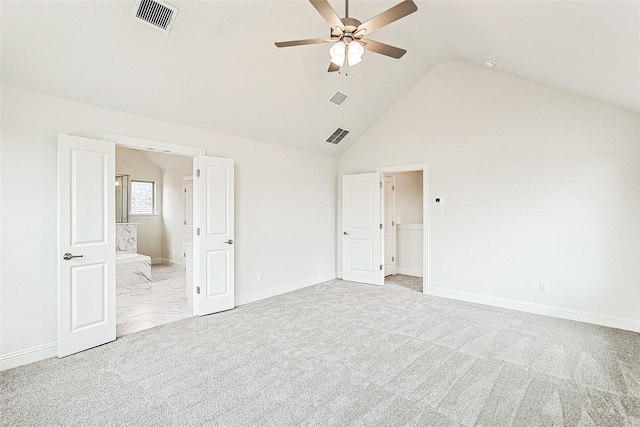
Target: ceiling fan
<point x="347" y="34"/>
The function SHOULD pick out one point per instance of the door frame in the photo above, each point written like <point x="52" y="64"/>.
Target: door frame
<point x="188" y="246"/>
<point x="392" y="198"/>
<point x="142" y="144"/>
<point x="426" y="253"/>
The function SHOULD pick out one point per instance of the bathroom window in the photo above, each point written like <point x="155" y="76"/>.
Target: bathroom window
<point x="143" y="197"/>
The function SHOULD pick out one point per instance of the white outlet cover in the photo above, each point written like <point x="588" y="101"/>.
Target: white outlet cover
<point x="543" y="286"/>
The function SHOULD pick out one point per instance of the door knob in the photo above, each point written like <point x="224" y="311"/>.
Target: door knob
<point x="230" y="242"/>
<point x="345" y="233"/>
<point x="68" y="256"/>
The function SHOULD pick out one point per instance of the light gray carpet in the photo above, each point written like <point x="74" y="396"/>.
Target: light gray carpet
<point x="341" y="353"/>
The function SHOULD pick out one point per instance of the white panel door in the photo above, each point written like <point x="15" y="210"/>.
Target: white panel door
<point x="214" y="245"/>
<point x="86" y="250"/>
<point x="389" y="225"/>
<point x="362" y="228"/>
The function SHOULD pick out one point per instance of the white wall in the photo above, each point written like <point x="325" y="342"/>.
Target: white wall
<point x="409" y="208"/>
<point x="285" y="210"/>
<point x="173" y="217"/>
<point x="150" y="227"/>
<point x="539" y="185"/>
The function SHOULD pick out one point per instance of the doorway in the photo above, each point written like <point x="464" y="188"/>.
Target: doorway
<point x="363" y="233"/>
<point x="151" y="281"/>
<point x="87" y="237"/>
<point x="405" y="195"/>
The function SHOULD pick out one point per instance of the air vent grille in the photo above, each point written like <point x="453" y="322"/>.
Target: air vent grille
<point x="155" y="13"/>
<point x="338" y="98"/>
<point x="337" y="136"/>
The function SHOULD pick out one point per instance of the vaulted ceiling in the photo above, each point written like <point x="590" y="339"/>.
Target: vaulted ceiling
<point x="219" y="69"/>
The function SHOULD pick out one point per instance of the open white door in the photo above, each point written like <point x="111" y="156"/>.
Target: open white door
<point x="86" y="250"/>
<point x="362" y="249"/>
<point x="214" y="245"/>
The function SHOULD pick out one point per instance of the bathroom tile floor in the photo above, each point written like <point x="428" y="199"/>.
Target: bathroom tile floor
<point x="140" y="307"/>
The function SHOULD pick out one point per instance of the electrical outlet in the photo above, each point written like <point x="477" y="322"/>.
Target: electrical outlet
<point x="543" y="286"/>
<point x="260" y="275"/>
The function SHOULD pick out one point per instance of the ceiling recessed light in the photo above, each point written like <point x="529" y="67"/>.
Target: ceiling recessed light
<point x="489" y="63"/>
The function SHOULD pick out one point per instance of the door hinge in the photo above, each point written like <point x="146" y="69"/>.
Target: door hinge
<point x="185" y="190"/>
<point x="198" y="290"/>
<point x="393" y="258"/>
<point x="184" y="254"/>
<point x="393" y="223"/>
<point x="380" y="266"/>
<point x="197" y="173"/>
<point x="198" y="231"/>
<point x="380" y="185"/>
<point x="380" y="226"/>
<point x="393" y="188"/>
<point x="185" y="222"/>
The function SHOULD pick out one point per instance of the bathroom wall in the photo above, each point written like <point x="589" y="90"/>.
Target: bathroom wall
<point x="150" y="227"/>
<point x="173" y="218"/>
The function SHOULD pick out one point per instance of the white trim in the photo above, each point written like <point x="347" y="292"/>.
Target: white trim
<point x="409" y="271"/>
<point x="409" y="226"/>
<point x="30" y="355"/>
<point x="547" y="310"/>
<point x="416" y="167"/>
<point x="283" y="289"/>
<point x="151" y="145"/>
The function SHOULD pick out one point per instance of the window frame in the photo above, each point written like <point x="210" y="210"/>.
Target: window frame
<point x="154" y="198"/>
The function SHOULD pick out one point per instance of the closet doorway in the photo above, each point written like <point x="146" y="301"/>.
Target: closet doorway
<point x="405" y="224"/>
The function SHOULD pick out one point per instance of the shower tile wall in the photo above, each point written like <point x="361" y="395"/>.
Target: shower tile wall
<point x="127" y="238"/>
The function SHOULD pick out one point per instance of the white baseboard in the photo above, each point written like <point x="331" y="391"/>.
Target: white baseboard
<point x="30" y="355"/>
<point x="167" y="261"/>
<point x="35" y="354"/>
<point x="547" y="310"/>
<point x="283" y="289"/>
<point x="409" y="271"/>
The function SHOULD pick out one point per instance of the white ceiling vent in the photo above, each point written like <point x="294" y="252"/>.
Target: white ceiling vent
<point x="337" y="136"/>
<point x="155" y="13"/>
<point x="338" y="98"/>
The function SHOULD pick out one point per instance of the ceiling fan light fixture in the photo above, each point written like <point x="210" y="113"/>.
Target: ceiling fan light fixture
<point x="337" y="53"/>
<point x="355" y="53"/>
<point x="354" y="60"/>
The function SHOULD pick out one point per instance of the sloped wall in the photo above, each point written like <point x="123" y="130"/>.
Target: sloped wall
<point x="539" y="185"/>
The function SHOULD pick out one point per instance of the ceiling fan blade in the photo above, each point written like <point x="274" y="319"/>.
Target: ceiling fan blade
<point x="303" y="42"/>
<point x="324" y="8"/>
<point x="388" y="16"/>
<point x="333" y="67"/>
<point x="383" y="49"/>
